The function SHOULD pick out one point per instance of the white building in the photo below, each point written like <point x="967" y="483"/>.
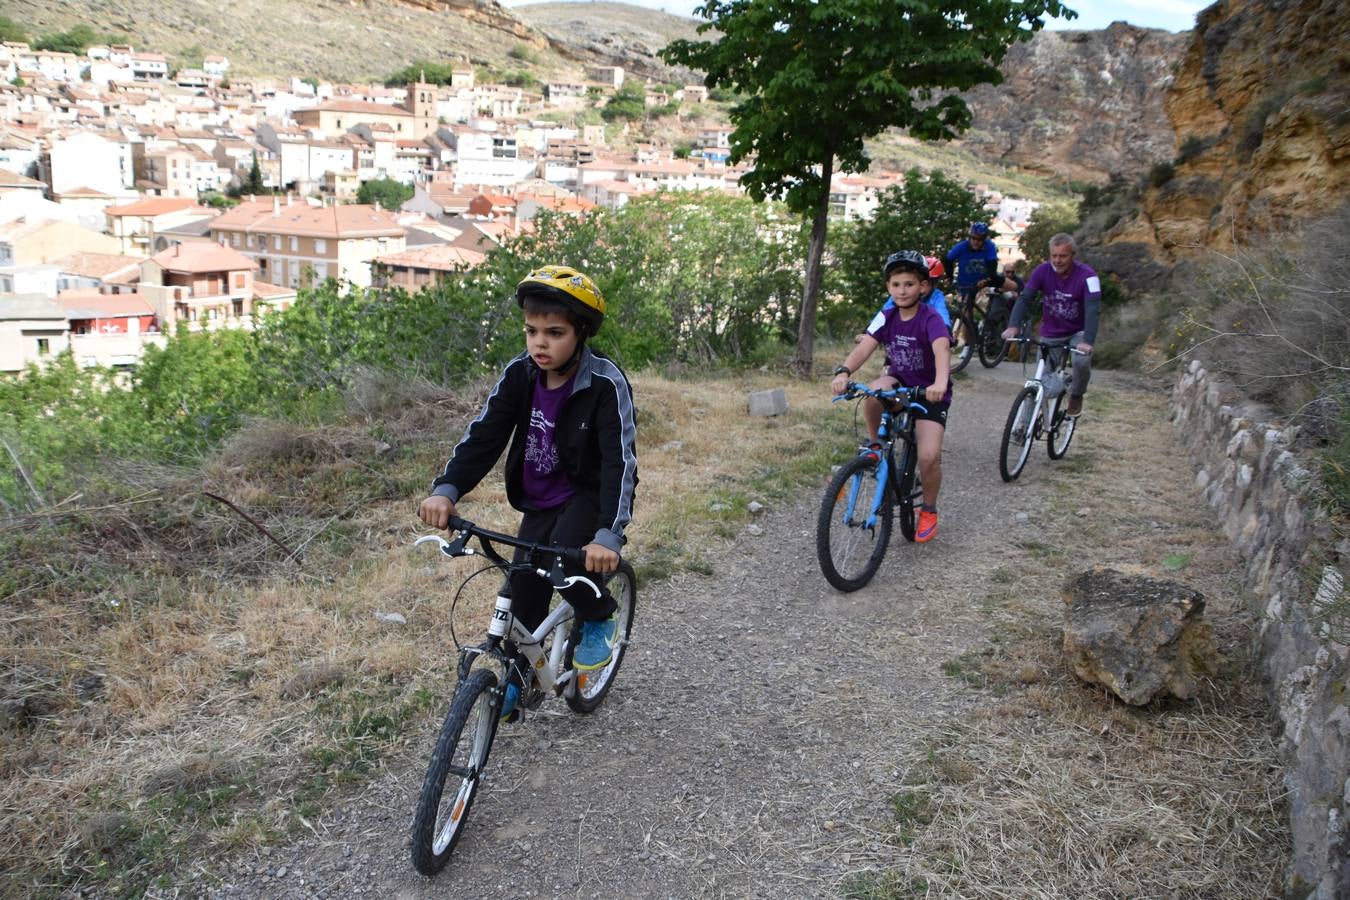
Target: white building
<point x="485" y="158"/>
<point x="90" y="160"/>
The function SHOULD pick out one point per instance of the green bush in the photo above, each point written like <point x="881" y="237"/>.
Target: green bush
<point x="927" y="212"/>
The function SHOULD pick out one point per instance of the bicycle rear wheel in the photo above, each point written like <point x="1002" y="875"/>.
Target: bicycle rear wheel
<point x="591" y="687"/>
<point x="911" y="492"/>
<point x="993" y="348"/>
<point x="854" y="525"/>
<point x="1061" y="428"/>
<point x="963" y="342"/>
<point x="456" y="771"/>
<point x="1018" y="434"/>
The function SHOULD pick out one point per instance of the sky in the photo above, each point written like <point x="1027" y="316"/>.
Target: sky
<point x="1173" y="15"/>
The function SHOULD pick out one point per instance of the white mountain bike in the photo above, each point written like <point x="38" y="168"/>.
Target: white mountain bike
<point x="1040" y="409"/>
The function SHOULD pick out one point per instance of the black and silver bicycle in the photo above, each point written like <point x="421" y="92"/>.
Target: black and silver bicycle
<point x="459" y="761"/>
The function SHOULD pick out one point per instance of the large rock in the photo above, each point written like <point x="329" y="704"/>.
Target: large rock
<point x="1141" y="638"/>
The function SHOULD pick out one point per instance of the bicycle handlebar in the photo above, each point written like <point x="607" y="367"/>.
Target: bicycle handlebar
<point x="902" y="394"/>
<point x="486" y="538"/>
<point x="1023" y="339"/>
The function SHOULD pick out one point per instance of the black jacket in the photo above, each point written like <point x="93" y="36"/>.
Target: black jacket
<point x="596" y="437"/>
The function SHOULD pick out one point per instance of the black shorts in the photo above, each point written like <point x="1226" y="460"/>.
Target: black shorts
<point x="932" y="412"/>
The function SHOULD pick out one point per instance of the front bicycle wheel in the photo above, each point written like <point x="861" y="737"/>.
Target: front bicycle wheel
<point x="1018" y="434"/>
<point x="854" y="525"/>
<point x="963" y="342"/>
<point x="1061" y="429"/>
<point x="456" y="771"/>
<point x="911" y="492"/>
<point x="592" y="686"/>
<point x="993" y="348"/>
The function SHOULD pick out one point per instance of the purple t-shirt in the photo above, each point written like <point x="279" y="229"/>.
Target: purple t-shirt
<point x="1065" y="298"/>
<point x="909" y="345"/>
<point x="544" y="481"/>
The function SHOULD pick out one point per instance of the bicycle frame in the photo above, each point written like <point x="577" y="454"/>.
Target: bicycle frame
<point x="894" y="426"/>
<point x="505" y="626"/>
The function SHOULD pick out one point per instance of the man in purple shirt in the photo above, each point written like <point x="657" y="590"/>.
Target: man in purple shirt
<point x="1073" y="295"/>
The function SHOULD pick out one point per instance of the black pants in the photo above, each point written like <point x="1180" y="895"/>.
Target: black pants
<point x="569" y="525"/>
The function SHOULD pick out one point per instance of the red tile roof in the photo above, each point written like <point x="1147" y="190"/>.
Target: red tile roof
<point x="202" y="256"/>
<point x="301" y="219"/>
<point x="90" y="304"/>
<point x="152" y="206"/>
<point x="441" y="257"/>
<point x="97" y="265"/>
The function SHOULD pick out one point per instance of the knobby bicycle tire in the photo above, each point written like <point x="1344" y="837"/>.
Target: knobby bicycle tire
<point x="1018" y="434"/>
<point x="993" y="348"/>
<point x="911" y="492"/>
<point x="476" y="706"/>
<point x="592" y="687"/>
<point x="1061" y="429"/>
<point x="963" y="342"/>
<point x="850" y="553"/>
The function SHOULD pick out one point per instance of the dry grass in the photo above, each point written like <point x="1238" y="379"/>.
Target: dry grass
<point x="1055" y="789"/>
<point x="183" y="688"/>
<point x="188" y="691"/>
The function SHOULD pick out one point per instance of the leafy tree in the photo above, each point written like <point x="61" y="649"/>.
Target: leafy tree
<point x="390" y="194"/>
<point x="1048" y="220"/>
<point x="428" y="72"/>
<point x="76" y="40"/>
<point x="629" y="102"/>
<point x="10" y="31"/>
<point x="311" y="81"/>
<point x="817" y="77"/>
<point x="927" y="212"/>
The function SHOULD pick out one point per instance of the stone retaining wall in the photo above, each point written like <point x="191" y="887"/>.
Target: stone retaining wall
<point x="1252" y="476"/>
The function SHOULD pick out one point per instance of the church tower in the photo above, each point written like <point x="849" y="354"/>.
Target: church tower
<point x="421" y="103"/>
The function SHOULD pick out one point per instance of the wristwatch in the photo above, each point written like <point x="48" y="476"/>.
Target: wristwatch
<point x="842" y="370"/>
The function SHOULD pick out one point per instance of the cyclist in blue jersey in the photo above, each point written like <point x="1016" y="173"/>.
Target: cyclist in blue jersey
<point x="975" y="260"/>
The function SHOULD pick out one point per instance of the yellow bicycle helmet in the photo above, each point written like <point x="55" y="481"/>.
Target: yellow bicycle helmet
<point x="565" y="285"/>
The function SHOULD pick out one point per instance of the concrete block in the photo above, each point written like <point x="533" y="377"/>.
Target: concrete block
<point x="768" y="403"/>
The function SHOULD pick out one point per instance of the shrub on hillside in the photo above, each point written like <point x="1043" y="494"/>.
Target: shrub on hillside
<point x="1275" y="322"/>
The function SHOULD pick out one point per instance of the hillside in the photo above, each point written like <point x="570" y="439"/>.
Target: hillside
<point x="1079" y="105"/>
<point x="612" y="34"/>
<point x="362" y="40"/>
<point x="1263" y="136"/>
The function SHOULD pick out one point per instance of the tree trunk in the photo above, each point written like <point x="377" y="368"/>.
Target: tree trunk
<point x="804" y="358"/>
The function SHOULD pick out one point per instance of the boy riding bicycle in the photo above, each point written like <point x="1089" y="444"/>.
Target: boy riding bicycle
<point x="918" y="354"/>
<point x="571" y="469"/>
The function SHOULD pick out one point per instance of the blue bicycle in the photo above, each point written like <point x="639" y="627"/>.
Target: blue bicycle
<point x="857" y="511"/>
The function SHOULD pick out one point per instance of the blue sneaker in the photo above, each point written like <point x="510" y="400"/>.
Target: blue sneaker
<point x="596" y="648"/>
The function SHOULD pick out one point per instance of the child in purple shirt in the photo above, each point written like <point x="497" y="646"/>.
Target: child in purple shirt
<point x="918" y="354"/>
<point x="1073" y="294"/>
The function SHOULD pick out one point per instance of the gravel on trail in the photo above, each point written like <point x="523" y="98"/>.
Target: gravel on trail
<point x="755" y="735"/>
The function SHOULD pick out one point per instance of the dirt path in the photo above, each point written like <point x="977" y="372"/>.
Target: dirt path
<point x="752" y="742"/>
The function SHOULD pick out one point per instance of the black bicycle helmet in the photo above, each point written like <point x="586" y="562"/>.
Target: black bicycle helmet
<point x="911" y="260"/>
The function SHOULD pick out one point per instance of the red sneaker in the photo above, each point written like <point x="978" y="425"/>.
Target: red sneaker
<point x="871" y="451"/>
<point x="926" y="529"/>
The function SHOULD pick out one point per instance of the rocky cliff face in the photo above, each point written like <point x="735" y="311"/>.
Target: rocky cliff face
<point x="1081" y="104"/>
<point x="1263" y="130"/>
